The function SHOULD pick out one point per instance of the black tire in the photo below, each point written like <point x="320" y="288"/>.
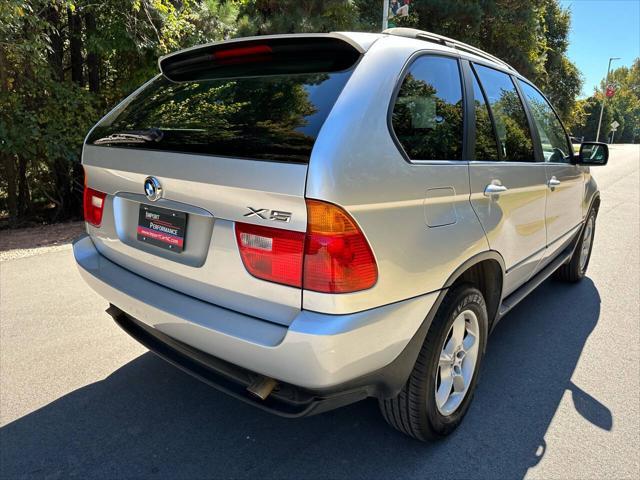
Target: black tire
<point x="572" y="271"/>
<point x="413" y="411"/>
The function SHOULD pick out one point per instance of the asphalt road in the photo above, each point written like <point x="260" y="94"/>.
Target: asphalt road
<point x="558" y="395"/>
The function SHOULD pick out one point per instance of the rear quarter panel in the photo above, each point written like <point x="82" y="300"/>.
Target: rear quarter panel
<point x="356" y="164"/>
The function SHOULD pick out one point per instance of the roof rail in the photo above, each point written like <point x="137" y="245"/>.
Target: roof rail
<point x="442" y="40"/>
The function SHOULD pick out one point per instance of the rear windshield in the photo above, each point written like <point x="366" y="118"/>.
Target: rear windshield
<point x="275" y="117"/>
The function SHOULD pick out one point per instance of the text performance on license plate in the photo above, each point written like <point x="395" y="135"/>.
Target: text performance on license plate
<point x="162" y="227"/>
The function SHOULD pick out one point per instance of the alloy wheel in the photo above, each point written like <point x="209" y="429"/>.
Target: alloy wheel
<point x="457" y="362"/>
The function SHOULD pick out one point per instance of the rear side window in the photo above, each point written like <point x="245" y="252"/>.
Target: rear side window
<point x="555" y="146"/>
<point x="512" y="128"/>
<point x="427" y="115"/>
<point x="258" y="102"/>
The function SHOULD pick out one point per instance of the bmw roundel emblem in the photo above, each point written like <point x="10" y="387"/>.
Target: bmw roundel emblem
<point x="152" y="188"/>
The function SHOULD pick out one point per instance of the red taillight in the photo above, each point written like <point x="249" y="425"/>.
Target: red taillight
<point x="242" y="52"/>
<point x="333" y="256"/>
<point x="271" y="253"/>
<point x="93" y="202"/>
<point x="255" y="53"/>
<point x="337" y="257"/>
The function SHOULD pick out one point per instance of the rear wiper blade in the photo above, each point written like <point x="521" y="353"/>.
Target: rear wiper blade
<point x="133" y="136"/>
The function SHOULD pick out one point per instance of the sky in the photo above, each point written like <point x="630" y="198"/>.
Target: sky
<point x="601" y="29"/>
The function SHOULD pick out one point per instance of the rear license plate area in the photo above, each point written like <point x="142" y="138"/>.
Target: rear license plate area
<point x="162" y="227"/>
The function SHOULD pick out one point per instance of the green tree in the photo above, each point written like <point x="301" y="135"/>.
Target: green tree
<point x="64" y="63"/>
<point x="623" y="107"/>
<point x="559" y="78"/>
<point x="625" y="104"/>
<point x="42" y="120"/>
<point x="262" y="17"/>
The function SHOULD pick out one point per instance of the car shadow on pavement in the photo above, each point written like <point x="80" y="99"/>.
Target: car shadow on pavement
<point x="150" y="420"/>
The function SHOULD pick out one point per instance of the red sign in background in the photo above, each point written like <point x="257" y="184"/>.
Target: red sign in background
<point x="611" y="90"/>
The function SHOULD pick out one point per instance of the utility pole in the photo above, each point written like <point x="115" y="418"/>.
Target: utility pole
<point x="604" y="97"/>
<point x="385" y="15"/>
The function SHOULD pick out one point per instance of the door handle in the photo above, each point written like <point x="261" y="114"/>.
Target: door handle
<point x="553" y="183"/>
<point x="494" y="189"/>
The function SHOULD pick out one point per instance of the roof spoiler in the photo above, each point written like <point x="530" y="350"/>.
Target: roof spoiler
<point x="264" y="55"/>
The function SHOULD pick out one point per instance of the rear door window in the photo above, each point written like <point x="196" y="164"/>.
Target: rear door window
<point x="271" y="117"/>
<point x="428" y="113"/>
<point x="486" y="147"/>
<point x="512" y="127"/>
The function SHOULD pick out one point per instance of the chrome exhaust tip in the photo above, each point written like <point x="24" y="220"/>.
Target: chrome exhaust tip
<point x="262" y="387"/>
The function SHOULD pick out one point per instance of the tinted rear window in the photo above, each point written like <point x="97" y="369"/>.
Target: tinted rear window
<point x="275" y="117"/>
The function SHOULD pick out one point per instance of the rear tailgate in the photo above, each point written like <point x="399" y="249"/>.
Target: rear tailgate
<point x="226" y="132"/>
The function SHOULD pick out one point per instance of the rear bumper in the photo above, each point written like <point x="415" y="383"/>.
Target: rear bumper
<point x="320" y="353"/>
<point x="286" y="400"/>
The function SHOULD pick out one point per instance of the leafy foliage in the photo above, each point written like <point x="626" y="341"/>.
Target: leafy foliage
<point x="262" y="17"/>
<point x="63" y="64"/>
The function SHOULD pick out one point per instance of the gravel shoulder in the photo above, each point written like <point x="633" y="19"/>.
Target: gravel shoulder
<point x="25" y="242"/>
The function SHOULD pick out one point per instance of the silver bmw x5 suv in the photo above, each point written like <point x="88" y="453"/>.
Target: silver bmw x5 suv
<point x="304" y="221"/>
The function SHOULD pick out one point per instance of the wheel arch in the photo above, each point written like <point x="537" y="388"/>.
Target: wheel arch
<point x="486" y="272"/>
<point x="595" y="203"/>
<point x="391" y="378"/>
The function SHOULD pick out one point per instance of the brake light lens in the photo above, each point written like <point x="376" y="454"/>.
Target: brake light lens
<point x="93" y="202"/>
<point x="337" y="257"/>
<point x="252" y="53"/>
<point x="332" y="257"/>
<point x="271" y="254"/>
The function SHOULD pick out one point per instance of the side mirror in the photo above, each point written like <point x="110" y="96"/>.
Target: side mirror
<point x="593" y="154"/>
